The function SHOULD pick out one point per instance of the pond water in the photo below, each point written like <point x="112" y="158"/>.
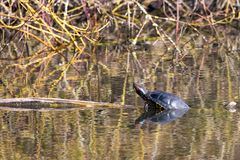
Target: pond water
<point x="207" y="78"/>
<point x="206" y="131"/>
<point x="201" y="133"/>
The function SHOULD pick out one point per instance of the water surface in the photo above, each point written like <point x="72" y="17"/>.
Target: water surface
<point x="207" y="77"/>
<point x="202" y="133"/>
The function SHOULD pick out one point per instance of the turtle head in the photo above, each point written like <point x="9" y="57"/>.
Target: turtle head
<point x="141" y="91"/>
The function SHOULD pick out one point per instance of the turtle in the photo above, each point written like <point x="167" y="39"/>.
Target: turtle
<point x="159" y="99"/>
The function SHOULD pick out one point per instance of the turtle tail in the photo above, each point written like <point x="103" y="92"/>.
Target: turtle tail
<point x="140" y="90"/>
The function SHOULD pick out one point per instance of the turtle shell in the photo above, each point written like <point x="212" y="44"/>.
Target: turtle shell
<point x="165" y="100"/>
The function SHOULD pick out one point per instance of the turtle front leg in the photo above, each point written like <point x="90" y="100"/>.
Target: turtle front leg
<point x="151" y="107"/>
<point x="146" y="106"/>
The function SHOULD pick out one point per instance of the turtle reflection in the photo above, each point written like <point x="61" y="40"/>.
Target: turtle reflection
<point x="158" y="116"/>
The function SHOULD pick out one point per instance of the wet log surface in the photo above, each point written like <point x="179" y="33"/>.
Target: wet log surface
<point x="52" y="104"/>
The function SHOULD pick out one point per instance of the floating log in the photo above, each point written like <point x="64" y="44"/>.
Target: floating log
<point x="52" y="103"/>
